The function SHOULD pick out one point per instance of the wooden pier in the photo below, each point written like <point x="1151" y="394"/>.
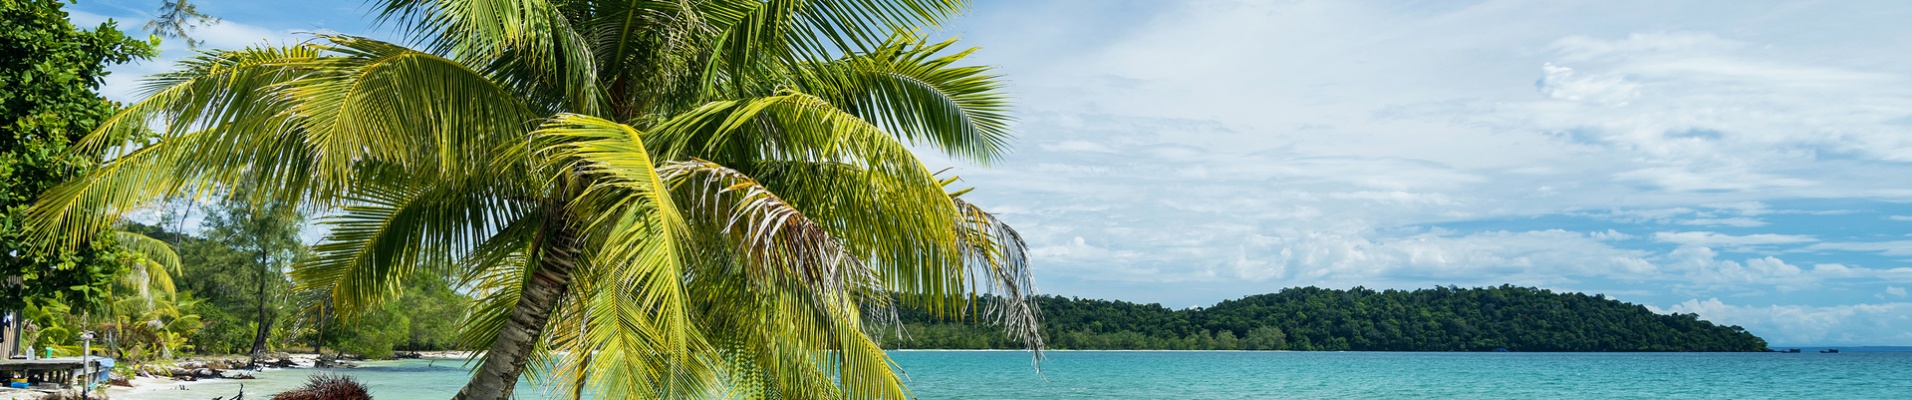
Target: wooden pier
<point x="60" y="371"/>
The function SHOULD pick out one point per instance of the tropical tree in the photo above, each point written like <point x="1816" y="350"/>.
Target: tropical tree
<point x="653" y="198"/>
<point x="48" y="102"/>
<point x="266" y="231"/>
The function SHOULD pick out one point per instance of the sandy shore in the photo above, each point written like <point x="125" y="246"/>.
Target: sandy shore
<point x="141" y="384"/>
<point x="447" y="354"/>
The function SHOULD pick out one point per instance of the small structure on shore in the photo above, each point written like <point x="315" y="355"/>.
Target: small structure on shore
<point x="48" y="373"/>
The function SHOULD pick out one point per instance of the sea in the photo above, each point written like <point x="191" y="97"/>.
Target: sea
<point x="1260" y="375"/>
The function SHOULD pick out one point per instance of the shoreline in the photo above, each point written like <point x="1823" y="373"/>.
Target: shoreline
<point x="298" y="361"/>
<point x="1367" y="351"/>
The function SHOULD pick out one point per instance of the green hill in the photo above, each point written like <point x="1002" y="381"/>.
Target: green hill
<point x="1309" y="318"/>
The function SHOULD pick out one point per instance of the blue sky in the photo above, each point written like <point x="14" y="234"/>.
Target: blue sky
<point x="1747" y="161"/>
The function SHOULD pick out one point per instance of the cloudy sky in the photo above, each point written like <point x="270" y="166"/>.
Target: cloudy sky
<point x="1747" y="161"/>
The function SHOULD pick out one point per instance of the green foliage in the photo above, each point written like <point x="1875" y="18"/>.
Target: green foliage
<point x="374" y="333"/>
<point x="1266" y="337"/>
<point x="52" y="327"/>
<point x="150" y="329"/>
<point x="237" y="266"/>
<point x="47" y="104"/>
<point x="226" y="279"/>
<point x="222" y="277"/>
<point x="265" y="231"/>
<point x="48" y="74"/>
<point x="1439" y="319"/>
<point x="425" y="317"/>
<point x="434" y="310"/>
<point x="133" y="328"/>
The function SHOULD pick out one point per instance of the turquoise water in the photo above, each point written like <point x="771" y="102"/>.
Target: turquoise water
<point x="1270" y="375"/>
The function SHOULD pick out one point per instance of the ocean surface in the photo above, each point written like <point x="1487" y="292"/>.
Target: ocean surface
<point x="1269" y="375"/>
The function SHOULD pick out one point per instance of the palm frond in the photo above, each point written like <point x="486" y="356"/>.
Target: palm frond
<point x="906" y="88"/>
<point x="302" y="124"/>
<point x="529" y="45"/>
<point x="814" y="287"/>
<point x="158" y="251"/>
<point x="997" y="251"/>
<point x="635" y="271"/>
<point x="378" y="102"/>
<point x="795" y="29"/>
<point x="875" y="179"/>
<point x="221" y="126"/>
<point x="386" y="233"/>
<point x="154" y="267"/>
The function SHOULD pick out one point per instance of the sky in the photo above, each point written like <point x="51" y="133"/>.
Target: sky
<point x="1750" y="162"/>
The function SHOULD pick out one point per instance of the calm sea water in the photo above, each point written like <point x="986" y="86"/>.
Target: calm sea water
<point x="1274" y="375"/>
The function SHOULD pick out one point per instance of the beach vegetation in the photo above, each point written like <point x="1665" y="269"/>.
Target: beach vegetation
<point x="659" y="199"/>
<point x="48" y="102"/>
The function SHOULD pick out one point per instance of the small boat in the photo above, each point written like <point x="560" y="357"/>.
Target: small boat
<point x="1791" y="351"/>
<point x="1831" y="351"/>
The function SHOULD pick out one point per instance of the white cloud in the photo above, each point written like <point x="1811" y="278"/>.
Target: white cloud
<point x="1079" y="256"/>
<point x="1895" y="291"/>
<point x="1548" y="257"/>
<point x="1583" y="48"/>
<point x="1610" y="235"/>
<point x="1700" y="269"/>
<point x="1561" y="83"/>
<point x="1842" y="325"/>
<point x="1702" y="238"/>
<point x="1890" y="248"/>
<point x="1741" y="222"/>
<point x="1900" y="217"/>
<point x="1078" y="146"/>
<point x="1637" y="216"/>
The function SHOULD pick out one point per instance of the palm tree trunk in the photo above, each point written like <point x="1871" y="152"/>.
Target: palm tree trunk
<point x="505" y="361"/>
<point x="319" y="347"/>
<point x="265" y="320"/>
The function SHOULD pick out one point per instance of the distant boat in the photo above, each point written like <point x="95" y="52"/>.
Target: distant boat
<point x="1833" y="351"/>
<point x="1790" y="351"/>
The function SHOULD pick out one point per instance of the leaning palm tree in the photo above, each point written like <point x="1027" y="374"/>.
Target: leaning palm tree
<point x="661" y="199"/>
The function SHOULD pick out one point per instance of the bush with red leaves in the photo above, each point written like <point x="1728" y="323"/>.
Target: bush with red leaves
<point x="327" y="387"/>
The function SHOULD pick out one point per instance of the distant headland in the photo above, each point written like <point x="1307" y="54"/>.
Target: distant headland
<point x="1504" y="318"/>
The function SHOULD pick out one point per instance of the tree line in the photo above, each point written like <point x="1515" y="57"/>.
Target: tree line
<point x="231" y="295"/>
<point x="1310" y="318"/>
<point x="156" y="291"/>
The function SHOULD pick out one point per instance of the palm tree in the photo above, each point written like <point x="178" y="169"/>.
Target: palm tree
<point x="149" y="272"/>
<point x="656" y="198"/>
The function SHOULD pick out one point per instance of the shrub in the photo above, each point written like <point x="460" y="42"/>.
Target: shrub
<point x="327" y="387"/>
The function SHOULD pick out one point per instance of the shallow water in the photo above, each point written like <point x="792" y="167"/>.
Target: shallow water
<point x="1264" y="375"/>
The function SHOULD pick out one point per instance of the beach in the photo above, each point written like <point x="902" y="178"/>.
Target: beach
<point x="302" y="364"/>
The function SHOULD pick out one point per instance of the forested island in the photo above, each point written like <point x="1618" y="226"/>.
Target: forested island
<point x="1310" y="318"/>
